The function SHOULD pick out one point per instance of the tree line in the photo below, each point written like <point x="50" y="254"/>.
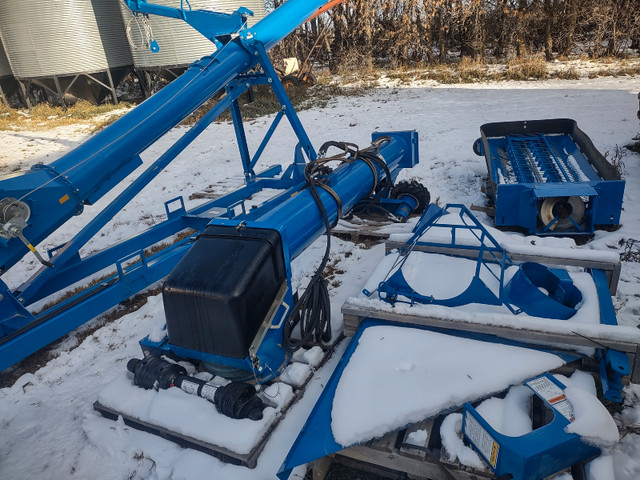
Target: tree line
<point x="410" y="32"/>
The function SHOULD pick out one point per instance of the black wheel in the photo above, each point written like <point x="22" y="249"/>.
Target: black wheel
<point x="414" y="189"/>
<point x="478" y="147"/>
<point x="307" y="79"/>
<point x="289" y="81"/>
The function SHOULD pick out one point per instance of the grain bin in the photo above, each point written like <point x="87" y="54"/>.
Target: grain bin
<point x="8" y="84"/>
<point x="5" y="68"/>
<point x="66" y="48"/>
<point x="180" y="45"/>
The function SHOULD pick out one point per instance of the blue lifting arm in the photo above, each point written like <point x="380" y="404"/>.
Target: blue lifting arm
<point x="215" y="26"/>
<point x="35" y="204"/>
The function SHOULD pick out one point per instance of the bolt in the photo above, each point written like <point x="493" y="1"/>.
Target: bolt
<point x="1" y="297"/>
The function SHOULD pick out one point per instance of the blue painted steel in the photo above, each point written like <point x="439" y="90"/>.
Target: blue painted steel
<point x="613" y="365"/>
<point x="529" y="162"/>
<point x="281" y="95"/>
<point x="69" y="252"/>
<point x="299" y="221"/>
<point x="267" y="137"/>
<point x="527" y="288"/>
<point x="535" y="455"/>
<point x="60" y="191"/>
<point x="396" y="289"/>
<point x="213" y="25"/>
<point x="26" y="338"/>
<point x="400" y="207"/>
<point x="316" y="440"/>
<point x="24" y="333"/>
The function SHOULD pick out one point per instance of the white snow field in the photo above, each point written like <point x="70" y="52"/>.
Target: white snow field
<point x="48" y="427"/>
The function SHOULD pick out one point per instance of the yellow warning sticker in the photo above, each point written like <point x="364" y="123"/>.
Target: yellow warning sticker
<point x="481" y="440"/>
<point x="63" y="199"/>
<point x="494" y="454"/>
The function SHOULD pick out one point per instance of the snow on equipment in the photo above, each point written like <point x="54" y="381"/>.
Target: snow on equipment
<point x="544" y="451"/>
<point x="533" y="288"/>
<point x="453" y="280"/>
<point x="235" y="327"/>
<point x="547" y="177"/>
<point x="235" y="400"/>
<point x="35" y="204"/>
<point x="231" y="310"/>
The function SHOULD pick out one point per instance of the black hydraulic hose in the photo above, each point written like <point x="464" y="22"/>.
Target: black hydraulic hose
<point x="312" y="311"/>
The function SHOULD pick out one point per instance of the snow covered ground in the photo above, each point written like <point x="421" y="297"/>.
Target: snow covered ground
<point x="49" y="429"/>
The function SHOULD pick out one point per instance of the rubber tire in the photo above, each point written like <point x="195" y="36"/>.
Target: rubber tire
<point x="414" y="189"/>
<point x="478" y="147"/>
<point x="307" y="79"/>
<point x="289" y="81"/>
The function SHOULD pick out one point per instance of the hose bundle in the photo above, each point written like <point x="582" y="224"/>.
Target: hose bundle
<point x="312" y="311"/>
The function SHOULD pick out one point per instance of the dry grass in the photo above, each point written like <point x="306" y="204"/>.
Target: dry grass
<point x="527" y="68"/>
<point x="473" y="71"/>
<point x="570" y="73"/>
<point x="622" y="71"/>
<point x="264" y="101"/>
<point x="44" y="116"/>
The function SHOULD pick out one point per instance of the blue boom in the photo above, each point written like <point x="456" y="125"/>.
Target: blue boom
<point x="35" y="204"/>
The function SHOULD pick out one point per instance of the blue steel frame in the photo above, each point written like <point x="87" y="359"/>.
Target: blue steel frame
<point x="56" y="192"/>
<point x="215" y="26"/>
<point x="298" y="220"/>
<point x="23" y="333"/>
<point x="530" y="161"/>
<point x="395" y="286"/>
<point x="532" y="456"/>
<point x="316" y="439"/>
<point x="613" y="365"/>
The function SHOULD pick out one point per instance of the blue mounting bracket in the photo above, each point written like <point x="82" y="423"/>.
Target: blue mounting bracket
<point x="613" y="365"/>
<point x="396" y="289"/>
<point x="215" y="26"/>
<point x="268" y="77"/>
<point x="535" y="455"/>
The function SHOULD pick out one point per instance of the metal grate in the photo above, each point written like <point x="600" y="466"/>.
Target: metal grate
<point x="536" y="159"/>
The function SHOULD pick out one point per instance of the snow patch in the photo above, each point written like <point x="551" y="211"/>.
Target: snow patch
<point x="401" y="375"/>
<point x="592" y="420"/>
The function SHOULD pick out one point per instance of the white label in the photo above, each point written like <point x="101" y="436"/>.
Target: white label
<point x="208" y="391"/>
<point x="189" y="387"/>
<point x="481" y="439"/>
<point x="553" y="395"/>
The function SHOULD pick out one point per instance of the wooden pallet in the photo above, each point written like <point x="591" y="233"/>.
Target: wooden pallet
<point x="222" y="453"/>
<point x="611" y="268"/>
<point x="394" y="456"/>
<point x="353" y="314"/>
<point x="375" y="231"/>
